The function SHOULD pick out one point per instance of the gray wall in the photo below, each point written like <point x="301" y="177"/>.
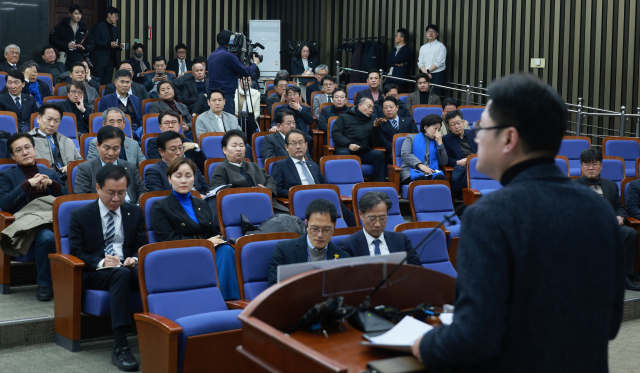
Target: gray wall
<point x="25" y="23"/>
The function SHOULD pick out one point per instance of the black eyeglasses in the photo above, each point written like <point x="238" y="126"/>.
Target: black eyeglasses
<point x="477" y="129"/>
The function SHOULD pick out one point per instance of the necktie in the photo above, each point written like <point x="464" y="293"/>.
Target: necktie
<point x="13" y="66"/>
<point x="394" y="123"/>
<point x="329" y="98"/>
<point x="306" y="173"/>
<point x="376" y="250"/>
<point x="53" y="145"/>
<point x="110" y="235"/>
<point x="182" y="68"/>
<point x="18" y="103"/>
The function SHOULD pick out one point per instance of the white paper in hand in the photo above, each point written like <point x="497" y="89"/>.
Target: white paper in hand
<point x="402" y="336"/>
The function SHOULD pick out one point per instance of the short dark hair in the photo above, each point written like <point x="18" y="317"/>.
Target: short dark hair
<point x="450" y="101"/>
<point x="136" y="46"/>
<point x="78" y="85"/>
<point x="78" y="64"/>
<point x="590" y="155"/>
<point x="389" y="87"/>
<point x="215" y="90"/>
<point x="74" y="7"/>
<point x="433" y="27"/>
<point x="18" y="135"/>
<point x="295" y="89"/>
<point x="112" y="172"/>
<point x="371" y="199"/>
<point x="321" y="206"/>
<point x="159" y="58"/>
<point x="511" y="106"/>
<point x="179" y="161"/>
<point x="294" y="130"/>
<point x="374" y="71"/>
<point x="163" y="82"/>
<point x="180" y="46"/>
<point x="405" y="34"/>
<point x="164" y="137"/>
<point x="50" y="105"/>
<point x="281" y="114"/>
<point x="339" y="90"/>
<point x="430" y="120"/>
<point x="390" y="99"/>
<point x="452" y="114"/>
<point x="223" y="37"/>
<point x="230" y="134"/>
<point x="44" y="49"/>
<point x="326" y="77"/>
<point x="112" y="10"/>
<point x="200" y="59"/>
<point x="14" y="73"/>
<point x="423" y="75"/>
<point x="123" y="62"/>
<point x="279" y="78"/>
<point x="110" y="132"/>
<point x="122" y="74"/>
<point x="170" y="113"/>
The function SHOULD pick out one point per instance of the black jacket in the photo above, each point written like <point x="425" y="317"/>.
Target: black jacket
<point x="82" y="119"/>
<point x="356" y="245"/>
<point x="310" y="89"/>
<point x="171" y="222"/>
<point x="102" y="39"/>
<point x="286" y="175"/>
<point x="42" y="87"/>
<point x="137" y="89"/>
<point x="326" y="113"/>
<point x="405" y="125"/>
<point x="28" y="104"/>
<point x="353" y="128"/>
<point x="174" y="66"/>
<point x="6" y="67"/>
<point x="404" y="57"/>
<point x="379" y="113"/>
<point x="12" y="196"/>
<point x="153" y="153"/>
<point x="155" y="178"/>
<point x="610" y="192"/>
<point x="137" y="69"/>
<point x="272" y="100"/>
<point x="452" y="146"/>
<point x="372" y="56"/>
<point x="55" y="69"/>
<point x="187" y="90"/>
<point x="297" y="68"/>
<point x="62" y="35"/>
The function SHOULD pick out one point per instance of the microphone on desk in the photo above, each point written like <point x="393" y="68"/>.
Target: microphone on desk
<point x="366" y="321"/>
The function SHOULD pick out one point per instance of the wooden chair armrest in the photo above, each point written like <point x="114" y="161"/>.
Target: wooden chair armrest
<point x="283" y="201"/>
<point x="470" y="196"/>
<point x="383" y="150"/>
<point x="158" y="340"/>
<point x="328" y="150"/>
<point x="68" y="260"/>
<point x="316" y="132"/>
<point x="237" y="304"/>
<point x="634" y="222"/>
<point x="161" y="323"/>
<point x="394" y="177"/>
<point x="447" y="173"/>
<point x="6" y="219"/>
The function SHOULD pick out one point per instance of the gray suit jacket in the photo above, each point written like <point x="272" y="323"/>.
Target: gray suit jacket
<point x="86" y="178"/>
<point x="414" y="99"/>
<point x="317" y="101"/>
<point x="137" y="90"/>
<point x="160" y="106"/>
<point x="131" y="147"/>
<point x="90" y="96"/>
<point x="274" y="146"/>
<point x="411" y="161"/>
<point x="206" y="122"/>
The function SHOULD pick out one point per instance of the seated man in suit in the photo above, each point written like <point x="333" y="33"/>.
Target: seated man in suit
<point x="135" y="89"/>
<point x="373" y="92"/>
<point x="23" y="104"/>
<point x="328" y="86"/>
<point x="108" y="233"/>
<point x="110" y="140"/>
<point x="338" y="108"/>
<point x="356" y="133"/>
<point x="78" y="73"/>
<point x="121" y="99"/>
<point x="373" y="239"/>
<point x="390" y="90"/>
<point x="12" y="56"/>
<point x="50" y="65"/>
<point x="449" y="104"/>
<point x="295" y="170"/>
<point x="93" y="81"/>
<point x="423" y="96"/>
<point x="181" y="64"/>
<point x="170" y="121"/>
<point x="130" y="151"/>
<point x="151" y="80"/>
<point x="22" y="184"/>
<point x="241" y="174"/>
<point x="301" y="114"/>
<point x="50" y="144"/>
<point x="75" y="104"/>
<point x="274" y="144"/>
<point x="394" y="124"/>
<point x="320" y="72"/>
<point x="591" y="165"/>
<point x="192" y="90"/>
<point x="170" y="147"/>
<point x="316" y="245"/>
<point x="460" y="144"/>
<point x="280" y="85"/>
<point x="168" y="102"/>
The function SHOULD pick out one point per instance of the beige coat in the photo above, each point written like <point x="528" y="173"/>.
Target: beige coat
<point x="17" y="238"/>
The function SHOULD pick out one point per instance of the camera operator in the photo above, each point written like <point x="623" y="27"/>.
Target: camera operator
<point x="224" y="69"/>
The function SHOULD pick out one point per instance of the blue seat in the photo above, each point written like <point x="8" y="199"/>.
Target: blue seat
<point x="394" y="216"/>
<point x="353" y="89"/>
<point x="403" y="98"/>
<point x="151" y="124"/>
<point x="344" y="171"/>
<point x="254" y="203"/>
<point x="8" y="122"/>
<point x="181" y="286"/>
<point x="97" y="123"/>
<point x="433" y="253"/>
<point x="472" y="114"/>
<point x="563" y="164"/>
<point x="210" y="166"/>
<point x="342" y="233"/>
<point x="253" y="254"/>
<point x="87" y="143"/>
<point x="54" y="100"/>
<point x="146" y="203"/>
<point x="430" y="200"/>
<point x="627" y="148"/>
<point x="613" y="169"/>
<point x="257" y="145"/>
<point x="398" y="140"/>
<point x="301" y="195"/>
<point x="45" y="79"/>
<point x="419" y="111"/>
<point x="73" y="167"/>
<point x="67" y="126"/>
<point x="212" y="146"/>
<point x="571" y="147"/>
<point x="3" y="82"/>
<point x="479" y="181"/>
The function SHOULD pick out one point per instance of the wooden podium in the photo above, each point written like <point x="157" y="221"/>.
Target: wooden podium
<point x="266" y="348"/>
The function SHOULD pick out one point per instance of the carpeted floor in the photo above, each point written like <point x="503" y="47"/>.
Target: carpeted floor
<point x="21" y="303"/>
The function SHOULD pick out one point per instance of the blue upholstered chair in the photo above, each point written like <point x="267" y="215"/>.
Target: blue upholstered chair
<point x="628" y="148"/>
<point x="150" y="124"/>
<point x="54" y="99"/>
<point x="254" y="203"/>
<point x="186" y="325"/>
<point x="144" y="142"/>
<point x="420" y="111"/>
<point x="67" y="279"/>
<point x="268" y="163"/>
<point x="613" y="169"/>
<point x="257" y="139"/>
<point x="146" y="103"/>
<point x="301" y="195"/>
<point x="571" y="147"/>
<point x="45" y="78"/>
<point x="211" y="144"/>
<point x="353" y="89"/>
<point x="342" y="170"/>
<point x="253" y="254"/>
<point x="209" y="166"/>
<point x="96" y="122"/>
<point x="85" y="142"/>
<point x="72" y="169"/>
<point x="433" y="253"/>
<point x="146" y="204"/>
<point x="563" y="163"/>
<point x="8" y="121"/>
<point x="394" y="216"/>
<point x="478" y="183"/>
<point x="403" y="97"/>
<point x="470" y="113"/>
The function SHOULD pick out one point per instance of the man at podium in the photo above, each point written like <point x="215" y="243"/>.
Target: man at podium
<point x="540" y="263"/>
<point x="320" y="218"/>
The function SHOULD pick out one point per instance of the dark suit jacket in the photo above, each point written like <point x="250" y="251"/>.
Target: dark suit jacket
<point x="356" y="245"/>
<point x="273" y="146"/>
<point x="403" y="56"/>
<point x="102" y="39"/>
<point x="148" y="80"/>
<point x="610" y="192"/>
<point x="326" y="113"/>
<point x="111" y="100"/>
<point x="632" y="199"/>
<point x="28" y="104"/>
<point x="365" y="93"/>
<point x="565" y="250"/>
<point x="43" y="87"/>
<point x="297" y="67"/>
<point x="173" y="65"/>
<point x="86" y="178"/>
<point x="155" y="177"/>
<point x="86" y="239"/>
<point x="310" y="89"/>
<point x="6" y="67"/>
<point x="452" y="146"/>
<point x="137" y="70"/>
<point x="82" y="122"/>
<point x="187" y="92"/>
<point x="12" y="197"/>
<point x="405" y="125"/>
<point x="226" y="173"/>
<point x="171" y="222"/>
<point x="196" y="157"/>
<point x="379" y="113"/>
<point x="137" y="89"/>
<point x="160" y="106"/>
<point x="303" y="118"/>
<point x="295" y="251"/>
<point x="286" y="175"/>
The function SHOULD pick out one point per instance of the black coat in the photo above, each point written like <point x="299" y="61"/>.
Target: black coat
<point x="28" y="104"/>
<point x="137" y="70"/>
<point x="404" y="56"/>
<point x="55" y="69"/>
<point x="286" y="175"/>
<point x="137" y="89"/>
<point x="171" y="222"/>
<point x="86" y="239"/>
<point x="372" y="56"/>
<point x="303" y="118"/>
<point x="62" y="35"/>
<point x="153" y="153"/>
<point x="540" y="284"/>
<point x="326" y="113"/>
<point x="610" y="192"/>
<point x="82" y="119"/>
<point x="102" y="39"/>
<point x="452" y="146"/>
<point x="155" y="178"/>
<point x="6" y="67"/>
<point x="295" y="251"/>
<point x="310" y="89"/>
<point x="353" y="128"/>
<point x="356" y="245"/>
<point x="379" y="113"/>
<point x="405" y="125"/>
<point x="12" y="196"/>
<point x="187" y="93"/>
<point x="297" y="67"/>
<point x="273" y="146"/>
<point x="174" y="66"/>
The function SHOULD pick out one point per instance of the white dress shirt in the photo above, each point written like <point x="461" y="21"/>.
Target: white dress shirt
<point x="433" y="53"/>
<point x="13" y="98"/>
<point x="219" y="121"/>
<point x="117" y="220"/>
<point x="126" y="197"/>
<point x="299" y="166"/>
<point x="384" y="249"/>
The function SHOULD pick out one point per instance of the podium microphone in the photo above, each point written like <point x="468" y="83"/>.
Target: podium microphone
<point x="366" y="321"/>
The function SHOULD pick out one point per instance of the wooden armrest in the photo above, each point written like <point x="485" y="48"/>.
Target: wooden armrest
<point x="447" y="173"/>
<point x="316" y="132"/>
<point x="6" y="219"/>
<point x="237" y="304"/>
<point x="283" y="201"/>
<point x="68" y="260"/>
<point x="470" y="196"/>
<point x="158" y="341"/>
<point x="329" y="150"/>
<point x="345" y="198"/>
<point x="159" y="322"/>
<point x="394" y="177"/>
<point x="633" y="221"/>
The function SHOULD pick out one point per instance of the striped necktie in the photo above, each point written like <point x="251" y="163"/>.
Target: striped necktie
<point x="110" y="235"/>
<point x="394" y="123"/>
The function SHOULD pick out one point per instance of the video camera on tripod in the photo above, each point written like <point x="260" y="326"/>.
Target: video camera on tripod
<point x="242" y="47"/>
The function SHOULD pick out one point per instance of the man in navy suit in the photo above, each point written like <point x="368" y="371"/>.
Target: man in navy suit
<point x="151" y="80"/>
<point x="459" y="144"/>
<point x="290" y="172"/>
<point x="122" y="100"/>
<point x="390" y="90"/>
<point x="22" y="184"/>
<point x="373" y="239"/>
<point x="393" y="125"/>
<point x="320" y="218"/>
<point x="398" y="59"/>
<point x="15" y="101"/>
<point x="274" y="144"/>
<point x="301" y="114"/>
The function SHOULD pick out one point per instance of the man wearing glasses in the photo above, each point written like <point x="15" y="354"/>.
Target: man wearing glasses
<point x="320" y="219"/>
<point x="75" y="104"/>
<point x="131" y="150"/>
<point x="320" y="72"/>
<point x="374" y="239"/>
<point x="432" y="58"/>
<point x="459" y="144"/>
